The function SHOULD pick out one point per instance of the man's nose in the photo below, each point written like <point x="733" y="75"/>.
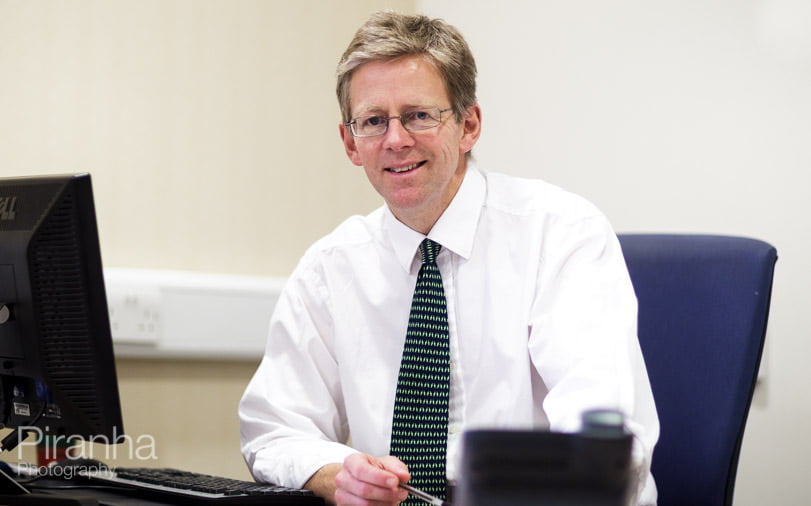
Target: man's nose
<point x="396" y="136"/>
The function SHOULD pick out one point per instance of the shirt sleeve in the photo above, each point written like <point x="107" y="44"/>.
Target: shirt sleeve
<point x="292" y="420"/>
<point x="583" y="339"/>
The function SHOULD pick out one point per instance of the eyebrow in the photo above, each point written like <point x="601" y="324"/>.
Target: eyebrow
<point x="376" y="110"/>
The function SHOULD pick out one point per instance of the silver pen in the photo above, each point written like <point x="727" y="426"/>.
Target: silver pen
<point x="436" y="501"/>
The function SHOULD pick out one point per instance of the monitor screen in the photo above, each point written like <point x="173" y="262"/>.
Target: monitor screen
<point x="57" y="372"/>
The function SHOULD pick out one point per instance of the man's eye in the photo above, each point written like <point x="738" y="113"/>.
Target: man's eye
<point x="421" y="119"/>
<point x="417" y="116"/>
<point x="372" y="121"/>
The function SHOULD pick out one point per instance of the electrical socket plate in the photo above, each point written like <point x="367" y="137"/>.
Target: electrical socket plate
<point x="135" y="311"/>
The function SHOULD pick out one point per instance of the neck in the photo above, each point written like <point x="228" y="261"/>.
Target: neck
<point x="421" y="223"/>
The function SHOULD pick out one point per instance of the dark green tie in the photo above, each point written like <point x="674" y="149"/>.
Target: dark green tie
<point x="420" y="425"/>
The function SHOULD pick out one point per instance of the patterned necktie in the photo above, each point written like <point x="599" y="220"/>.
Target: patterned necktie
<point x="420" y="424"/>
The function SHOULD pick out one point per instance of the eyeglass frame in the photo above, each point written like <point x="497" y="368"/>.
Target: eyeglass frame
<point x="352" y="124"/>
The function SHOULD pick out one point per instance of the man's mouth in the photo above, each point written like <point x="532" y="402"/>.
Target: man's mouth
<point x="405" y="168"/>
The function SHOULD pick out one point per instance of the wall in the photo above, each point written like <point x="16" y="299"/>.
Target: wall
<point x="672" y="116"/>
<point x="210" y="128"/>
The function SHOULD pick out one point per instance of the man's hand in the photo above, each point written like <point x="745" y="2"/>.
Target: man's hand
<point x="366" y="480"/>
<point x="362" y="480"/>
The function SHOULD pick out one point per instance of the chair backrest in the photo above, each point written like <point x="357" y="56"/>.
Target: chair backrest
<point x="703" y="308"/>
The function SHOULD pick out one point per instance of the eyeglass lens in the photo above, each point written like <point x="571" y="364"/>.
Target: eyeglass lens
<point x="419" y="119"/>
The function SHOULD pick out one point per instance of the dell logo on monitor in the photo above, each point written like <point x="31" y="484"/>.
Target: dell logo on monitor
<point x="7" y="208"/>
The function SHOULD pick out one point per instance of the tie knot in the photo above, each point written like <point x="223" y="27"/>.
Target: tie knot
<point x="429" y="250"/>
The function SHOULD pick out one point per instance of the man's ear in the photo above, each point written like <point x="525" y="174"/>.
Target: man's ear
<point x="349" y="144"/>
<point x="471" y="128"/>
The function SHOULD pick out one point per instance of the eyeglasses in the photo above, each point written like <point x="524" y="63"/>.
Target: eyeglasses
<point x="418" y="119"/>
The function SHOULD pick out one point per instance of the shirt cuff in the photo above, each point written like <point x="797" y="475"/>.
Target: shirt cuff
<point x="293" y="466"/>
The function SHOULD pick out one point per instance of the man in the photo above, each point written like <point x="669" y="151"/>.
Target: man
<point x="537" y="309"/>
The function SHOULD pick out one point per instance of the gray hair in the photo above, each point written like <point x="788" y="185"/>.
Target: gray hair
<point x="389" y="35"/>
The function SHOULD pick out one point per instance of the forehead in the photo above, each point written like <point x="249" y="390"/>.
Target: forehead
<point x="392" y="85"/>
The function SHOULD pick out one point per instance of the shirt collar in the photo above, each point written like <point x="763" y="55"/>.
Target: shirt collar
<point x="454" y="230"/>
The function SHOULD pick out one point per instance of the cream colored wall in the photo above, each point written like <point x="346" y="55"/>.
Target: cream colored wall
<point x="672" y="116"/>
<point x="186" y="410"/>
<point x="211" y="130"/>
<point x="210" y="126"/>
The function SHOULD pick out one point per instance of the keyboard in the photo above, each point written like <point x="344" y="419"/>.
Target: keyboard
<point x="183" y="487"/>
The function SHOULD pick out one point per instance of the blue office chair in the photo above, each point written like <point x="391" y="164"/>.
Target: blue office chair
<point x="703" y="308"/>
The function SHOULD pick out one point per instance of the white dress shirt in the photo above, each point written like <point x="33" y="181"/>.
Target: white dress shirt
<point x="542" y="319"/>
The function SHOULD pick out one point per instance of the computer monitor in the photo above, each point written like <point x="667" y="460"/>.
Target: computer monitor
<point x="57" y="371"/>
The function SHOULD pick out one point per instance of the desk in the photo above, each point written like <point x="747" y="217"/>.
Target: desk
<point x="77" y="498"/>
<point x="93" y="496"/>
<point x="49" y="492"/>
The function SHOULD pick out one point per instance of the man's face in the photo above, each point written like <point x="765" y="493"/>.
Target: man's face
<point x="417" y="173"/>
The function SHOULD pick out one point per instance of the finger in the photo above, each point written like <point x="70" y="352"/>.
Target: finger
<point x="396" y="467"/>
<point x="364" y="477"/>
<point x="371" y="470"/>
